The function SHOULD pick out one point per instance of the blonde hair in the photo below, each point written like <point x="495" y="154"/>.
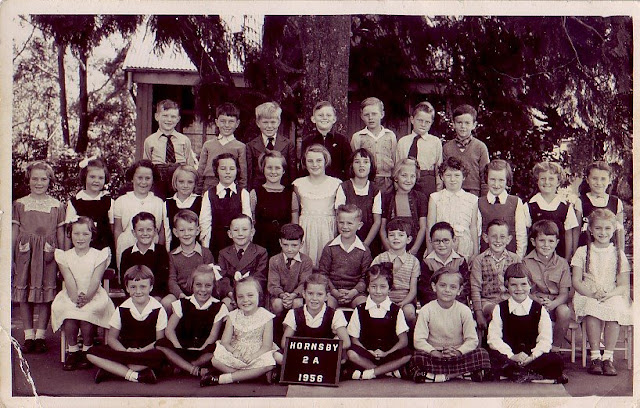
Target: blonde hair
<point x="268" y="110"/>
<point x="550" y="167"/>
<point x="608" y="215"/>
<point x="372" y="101"/>
<point x="317" y="148"/>
<point x="186" y="169"/>
<point x="406" y="163"/>
<point x="41" y="165"/>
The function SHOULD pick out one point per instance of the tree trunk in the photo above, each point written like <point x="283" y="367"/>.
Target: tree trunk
<point x="325" y="44"/>
<point x="64" y="118"/>
<point x="83" y="104"/>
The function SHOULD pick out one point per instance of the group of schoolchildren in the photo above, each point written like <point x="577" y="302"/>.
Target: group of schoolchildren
<point x="445" y="274"/>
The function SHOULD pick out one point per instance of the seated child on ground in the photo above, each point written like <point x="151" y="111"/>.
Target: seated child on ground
<point x="194" y="325"/>
<point x="520" y="334"/>
<point x="288" y="270"/>
<point x="134" y="328"/>
<point x="406" y="268"/>
<point x="445" y="337"/>
<point x="378" y="330"/>
<point x="550" y="277"/>
<point x="345" y="259"/>
<point x="246" y="348"/>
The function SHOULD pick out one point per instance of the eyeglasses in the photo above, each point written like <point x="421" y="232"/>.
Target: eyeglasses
<point x="445" y="241"/>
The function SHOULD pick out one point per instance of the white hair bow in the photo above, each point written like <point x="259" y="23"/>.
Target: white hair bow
<point x="85" y="162"/>
<point x="73" y="219"/>
<point x="239" y="275"/>
<point x="216" y="271"/>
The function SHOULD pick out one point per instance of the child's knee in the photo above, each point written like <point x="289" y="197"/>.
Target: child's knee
<point x="409" y="311"/>
<point x="332" y="302"/>
<point x="352" y="355"/>
<point x="298" y="302"/>
<point x="276" y="305"/>
<point x="563" y="314"/>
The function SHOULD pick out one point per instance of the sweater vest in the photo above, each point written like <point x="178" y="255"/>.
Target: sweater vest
<point x="520" y="332"/>
<point x="323" y="331"/>
<point x="378" y="333"/>
<point x="135" y="333"/>
<point x="195" y="325"/>
<point x="506" y="211"/>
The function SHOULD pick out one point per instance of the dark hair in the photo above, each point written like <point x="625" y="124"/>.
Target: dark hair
<point x="446" y="270"/>
<point x="498" y="222"/>
<point x="365" y="154"/>
<point x="400" y="224"/>
<point x="597" y="165"/>
<point x="204" y="269"/>
<point x="142" y="163"/>
<point x="465" y="109"/>
<point x="497" y="165"/>
<point x="425" y="107"/>
<point x="544" y="227"/>
<point x="138" y="272"/>
<point x="166" y="104"/>
<point x="442" y="225"/>
<point x="323" y="104"/>
<point x="143" y="216"/>
<point x="241" y="217"/>
<point x="228" y="109"/>
<point x="291" y="232"/>
<point x="86" y="221"/>
<point x="248" y="279"/>
<point x="350" y="209"/>
<point x="453" y="163"/>
<point x="317" y="279"/>
<point x="96" y="164"/>
<point x="222" y="156"/>
<point x="516" y="270"/>
<point x="185" y="215"/>
<point x="383" y="269"/>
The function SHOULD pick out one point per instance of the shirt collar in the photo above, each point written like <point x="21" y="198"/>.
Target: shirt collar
<point x="593" y="196"/>
<point x="265" y="139"/>
<point x="220" y="189"/>
<point x="151" y="305"/>
<point x="81" y="195"/>
<point x="366" y="131"/>
<point x="523" y="307"/>
<point x="499" y="259"/>
<point x="135" y="248"/>
<point x="463" y="143"/>
<point x="173" y="132"/>
<point x="197" y="249"/>
<point x="206" y="305"/>
<point x="458" y="193"/>
<point x="356" y="244"/>
<point x="295" y="258"/>
<point x="308" y="316"/>
<point x="453" y="255"/>
<point x="502" y="196"/>
<point x="191" y="196"/>
<point x="404" y="258"/>
<point x="224" y="140"/>
<point x="386" y="304"/>
<point x="534" y="255"/>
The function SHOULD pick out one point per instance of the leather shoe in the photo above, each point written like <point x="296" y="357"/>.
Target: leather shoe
<point x="595" y="367"/>
<point x="563" y="379"/>
<point x="28" y="346"/>
<point x="147" y="376"/>
<point x="83" y="363"/>
<point x="72" y="360"/>
<point x="477" y="376"/>
<point x="608" y="368"/>
<point x="40" y="346"/>
<point x="101" y="376"/>
<point x="209" y="380"/>
<point x="421" y="377"/>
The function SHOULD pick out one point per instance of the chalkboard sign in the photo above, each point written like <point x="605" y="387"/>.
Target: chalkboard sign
<point x="311" y="361"/>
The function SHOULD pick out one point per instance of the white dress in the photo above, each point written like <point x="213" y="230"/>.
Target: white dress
<point x="457" y="209"/>
<point x="317" y="214"/>
<point x="99" y="310"/>
<point x="128" y="206"/>
<point x="246" y="340"/>
<point x="602" y="275"/>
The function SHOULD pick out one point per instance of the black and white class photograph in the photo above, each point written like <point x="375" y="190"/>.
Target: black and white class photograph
<point x="392" y="203"/>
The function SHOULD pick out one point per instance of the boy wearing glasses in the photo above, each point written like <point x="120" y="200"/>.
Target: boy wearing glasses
<point x="442" y="255"/>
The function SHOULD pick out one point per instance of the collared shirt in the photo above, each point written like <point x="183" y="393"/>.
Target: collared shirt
<point x="206" y="216"/>
<point x="520" y="220"/>
<point x="495" y="333"/>
<point x="453" y="255"/>
<point x="406" y="269"/>
<point x="341" y="198"/>
<point x="151" y="248"/>
<point x="295" y="258"/>
<point x="356" y="244"/>
<point x="224" y="140"/>
<point x="222" y="313"/>
<point x="81" y="195"/>
<point x="153" y="304"/>
<point x="570" y="221"/>
<point x="547" y="278"/>
<point x="313" y="322"/>
<point x="462" y="144"/>
<point x="382" y="146"/>
<point x="429" y="150"/>
<point x="377" y="312"/>
<point x="197" y="249"/>
<point x="265" y="140"/>
<point x="155" y="148"/>
<point x="187" y="203"/>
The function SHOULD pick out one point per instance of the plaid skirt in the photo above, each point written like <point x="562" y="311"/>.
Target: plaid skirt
<point x="467" y="363"/>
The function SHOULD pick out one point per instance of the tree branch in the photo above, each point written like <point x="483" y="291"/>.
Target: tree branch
<point x="589" y="27"/>
<point x="564" y="26"/>
<point x="24" y="47"/>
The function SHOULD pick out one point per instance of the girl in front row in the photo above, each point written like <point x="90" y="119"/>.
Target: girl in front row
<point x="601" y="280"/>
<point x="246" y="349"/>
<point x="194" y="325"/>
<point x="83" y="303"/>
<point x="378" y="330"/>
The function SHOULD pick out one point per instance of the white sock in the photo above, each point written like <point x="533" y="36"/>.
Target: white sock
<point x="595" y="354"/>
<point x="86" y="347"/>
<point x="368" y="374"/>
<point x="607" y="355"/>
<point x="437" y="378"/>
<point x="225" y="379"/>
<point x="40" y="333"/>
<point x="357" y="375"/>
<point x="131" y="376"/>
<point x="29" y="334"/>
<point x="74" y="348"/>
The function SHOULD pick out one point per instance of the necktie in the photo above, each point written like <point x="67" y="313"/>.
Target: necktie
<point x="289" y="262"/>
<point x="270" y="143"/>
<point x="227" y="193"/>
<point x="170" y="156"/>
<point x="240" y="253"/>
<point x="413" y="150"/>
<point x="497" y="201"/>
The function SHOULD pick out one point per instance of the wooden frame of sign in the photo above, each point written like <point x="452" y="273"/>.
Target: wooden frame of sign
<point x="311" y="361"/>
